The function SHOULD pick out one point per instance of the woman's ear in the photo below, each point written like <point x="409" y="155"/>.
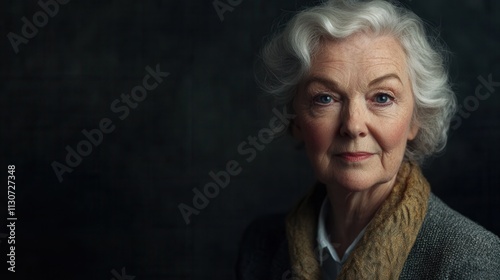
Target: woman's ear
<point x="295" y="130"/>
<point x="414" y="128"/>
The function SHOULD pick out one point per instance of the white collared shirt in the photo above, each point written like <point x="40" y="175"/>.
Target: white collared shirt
<point x="329" y="260"/>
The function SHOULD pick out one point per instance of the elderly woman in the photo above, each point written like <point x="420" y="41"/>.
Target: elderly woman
<point x="372" y="100"/>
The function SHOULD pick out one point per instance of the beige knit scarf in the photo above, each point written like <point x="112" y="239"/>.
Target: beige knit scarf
<point x="388" y="239"/>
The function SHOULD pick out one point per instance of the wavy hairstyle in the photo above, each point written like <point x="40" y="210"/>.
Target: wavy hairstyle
<point x="286" y="60"/>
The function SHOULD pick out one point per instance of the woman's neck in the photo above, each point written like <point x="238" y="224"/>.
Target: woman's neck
<point x="351" y="211"/>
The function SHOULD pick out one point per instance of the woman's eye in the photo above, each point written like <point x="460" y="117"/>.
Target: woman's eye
<point x="323" y="99"/>
<point x="383" y="98"/>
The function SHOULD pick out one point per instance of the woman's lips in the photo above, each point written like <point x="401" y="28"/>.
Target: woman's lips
<point x="355" y="157"/>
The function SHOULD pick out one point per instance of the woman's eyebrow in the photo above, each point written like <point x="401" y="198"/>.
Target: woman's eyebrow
<point x="385" y="77"/>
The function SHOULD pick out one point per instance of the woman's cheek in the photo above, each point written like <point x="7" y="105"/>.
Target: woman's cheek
<point x="317" y="137"/>
<point x="395" y="136"/>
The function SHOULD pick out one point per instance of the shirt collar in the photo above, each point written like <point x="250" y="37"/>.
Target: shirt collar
<point x="323" y="238"/>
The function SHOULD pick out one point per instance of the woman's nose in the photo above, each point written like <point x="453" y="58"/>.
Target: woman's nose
<point x="353" y="120"/>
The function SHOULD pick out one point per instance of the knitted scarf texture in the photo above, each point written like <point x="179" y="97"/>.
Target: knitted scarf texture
<point x="388" y="239"/>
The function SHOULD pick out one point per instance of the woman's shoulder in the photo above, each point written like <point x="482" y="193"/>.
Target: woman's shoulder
<point x="263" y="248"/>
<point x="449" y="245"/>
<point x="455" y="227"/>
<point x="264" y="232"/>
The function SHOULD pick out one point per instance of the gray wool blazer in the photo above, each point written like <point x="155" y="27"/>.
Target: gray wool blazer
<point x="448" y="246"/>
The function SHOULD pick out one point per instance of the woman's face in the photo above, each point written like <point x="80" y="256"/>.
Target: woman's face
<point x="354" y="111"/>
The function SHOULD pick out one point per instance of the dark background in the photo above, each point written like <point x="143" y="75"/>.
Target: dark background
<point x="119" y="207"/>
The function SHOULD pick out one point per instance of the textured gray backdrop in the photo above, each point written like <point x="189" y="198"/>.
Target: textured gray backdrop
<point x="116" y="213"/>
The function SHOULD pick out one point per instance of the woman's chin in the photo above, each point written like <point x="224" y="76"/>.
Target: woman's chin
<point x="354" y="181"/>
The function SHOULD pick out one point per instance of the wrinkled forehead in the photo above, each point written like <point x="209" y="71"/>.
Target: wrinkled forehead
<point x="371" y="55"/>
